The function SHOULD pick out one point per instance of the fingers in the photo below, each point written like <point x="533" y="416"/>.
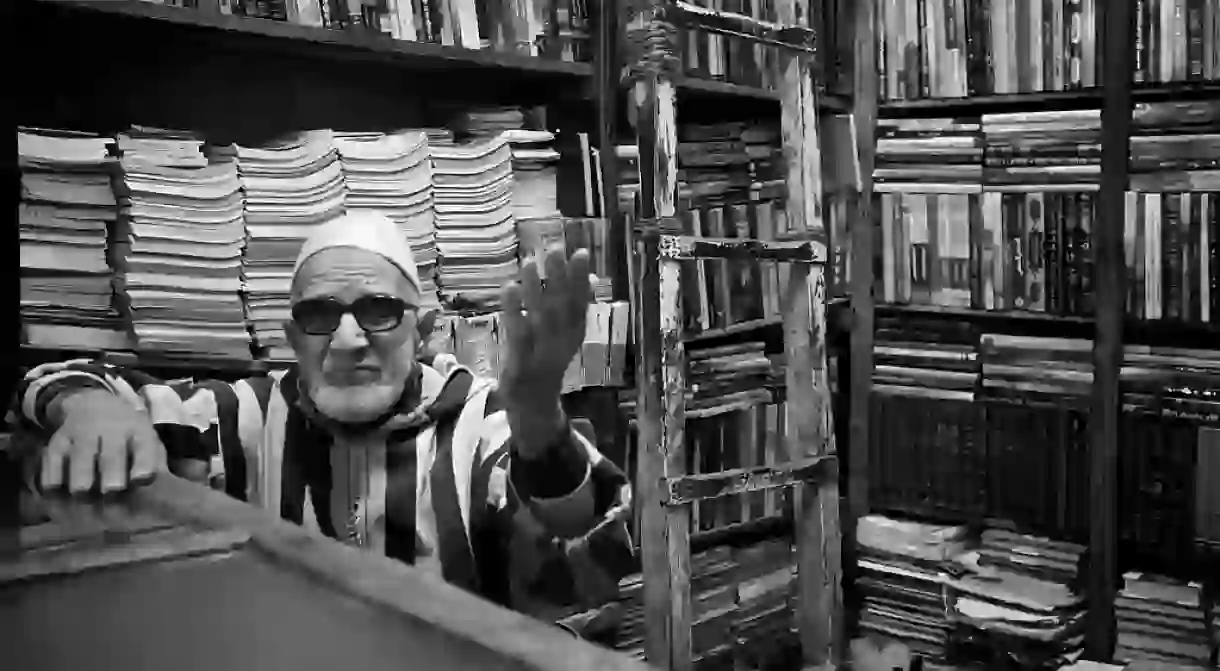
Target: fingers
<point x="147" y="455"/>
<point x="112" y="463"/>
<point x="82" y="465"/>
<point x="579" y="289"/>
<point x="513" y="319"/>
<point x="53" y="460"/>
<point x="531" y="286"/>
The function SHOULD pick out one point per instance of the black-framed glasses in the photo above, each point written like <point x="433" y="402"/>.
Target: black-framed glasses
<point x="374" y="314"/>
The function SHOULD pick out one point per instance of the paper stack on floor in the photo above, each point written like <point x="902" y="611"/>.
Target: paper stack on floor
<point x="67" y="205"/>
<point x="902" y="581"/>
<point x="183" y="273"/>
<point x="392" y="174"/>
<point x="292" y="186"/>
<point x="1008" y="605"/>
<point x="1160" y="620"/>
<point x="475" y="233"/>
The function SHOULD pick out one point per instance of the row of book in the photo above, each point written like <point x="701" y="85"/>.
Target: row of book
<point x="196" y="243"/>
<point x="1173" y="148"/>
<point x="962" y="48"/>
<point x="1030" y="251"/>
<point x="477" y="342"/>
<point x="531" y="28"/>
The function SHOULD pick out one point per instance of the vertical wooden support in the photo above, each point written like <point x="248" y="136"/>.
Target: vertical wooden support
<point x="660" y="378"/>
<point x="861" y="230"/>
<point x="1109" y="283"/>
<point x="808" y="433"/>
<point x="606" y="94"/>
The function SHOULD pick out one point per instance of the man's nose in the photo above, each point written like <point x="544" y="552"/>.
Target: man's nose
<point x="349" y="335"/>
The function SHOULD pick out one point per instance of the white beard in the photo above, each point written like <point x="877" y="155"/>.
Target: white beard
<point x="353" y="405"/>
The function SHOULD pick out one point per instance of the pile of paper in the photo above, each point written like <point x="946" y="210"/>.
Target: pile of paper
<point x="439" y="137"/>
<point x="535" y="171"/>
<point x="183" y="273"/>
<point x="486" y="123"/>
<point x="1161" y="620"/>
<point x="391" y="174"/>
<point x="1016" y="600"/>
<point x="66" y="207"/>
<point x="475" y="232"/>
<point x="292" y="186"/>
<point x="902" y="580"/>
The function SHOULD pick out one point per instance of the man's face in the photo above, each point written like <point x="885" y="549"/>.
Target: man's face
<point x="353" y="374"/>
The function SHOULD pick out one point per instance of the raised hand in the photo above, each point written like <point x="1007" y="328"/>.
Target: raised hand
<point x="544" y="324"/>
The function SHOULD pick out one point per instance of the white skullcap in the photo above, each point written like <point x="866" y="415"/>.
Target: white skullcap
<point x="363" y="230"/>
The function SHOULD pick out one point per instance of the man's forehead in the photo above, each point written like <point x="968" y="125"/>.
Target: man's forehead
<point x="350" y="269"/>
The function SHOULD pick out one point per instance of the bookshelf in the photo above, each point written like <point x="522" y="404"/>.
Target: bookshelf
<point x="1078" y="462"/>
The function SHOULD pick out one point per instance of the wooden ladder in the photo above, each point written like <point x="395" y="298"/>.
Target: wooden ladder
<point x="667" y="490"/>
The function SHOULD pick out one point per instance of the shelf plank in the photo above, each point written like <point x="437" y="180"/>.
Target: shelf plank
<point x="1089" y="98"/>
<point x="328" y="42"/>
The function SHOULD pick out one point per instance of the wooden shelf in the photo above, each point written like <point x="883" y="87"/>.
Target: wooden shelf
<point x="1045" y="100"/>
<point x="335" y="44"/>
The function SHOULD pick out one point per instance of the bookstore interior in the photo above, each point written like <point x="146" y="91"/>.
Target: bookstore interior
<point x="1017" y="328"/>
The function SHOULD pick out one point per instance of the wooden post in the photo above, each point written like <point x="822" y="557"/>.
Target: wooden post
<point x="818" y="537"/>
<point x="1108" y="281"/>
<point x="660" y="374"/>
<point x="860" y="285"/>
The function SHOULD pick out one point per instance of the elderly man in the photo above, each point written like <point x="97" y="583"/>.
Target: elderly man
<point x="483" y="483"/>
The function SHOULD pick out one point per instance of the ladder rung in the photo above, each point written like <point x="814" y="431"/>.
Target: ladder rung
<point x="687" y="247"/>
<point x="691" y="488"/>
<point x="798" y="38"/>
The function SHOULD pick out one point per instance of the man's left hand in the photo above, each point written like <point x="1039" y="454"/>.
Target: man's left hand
<point x="545" y="327"/>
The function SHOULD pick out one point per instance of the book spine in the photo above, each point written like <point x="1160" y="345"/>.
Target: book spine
<point x="1052" y="251"/>
<point x="1171" y="244"/>
<point x="1072" y="261"/>
<point x="1085" y="233"/>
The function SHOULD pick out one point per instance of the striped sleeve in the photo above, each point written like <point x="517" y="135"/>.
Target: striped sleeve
<point x="210" y="428"/>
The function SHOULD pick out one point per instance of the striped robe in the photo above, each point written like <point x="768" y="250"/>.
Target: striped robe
<point x="438" y="485"/>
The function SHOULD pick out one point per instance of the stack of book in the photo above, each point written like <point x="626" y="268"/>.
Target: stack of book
<point x="535" y="170"/>
<point x="939" y="370"/>
<point x="730" y="377"/>
<point x="487" y="123"/>
<point x="902" y="580"/>
<point x="184" y="272"/>
<point x="1029" y="368"/>
<point x="1035" y="556"/>
<point x="291" y="186"/>
<point x="1161" y="620"/>
<point x="999" y="613"/>
<point x="1175" y="146"/>
<point x="1175" y="44"/>
<point x="439" y="137"/>
<point x="1172" y="382"/>
<point x="477" y="342"/>
<point x="392" y="174"/>
<point x="739" y="601"/>
<point x="1042" y="151"/>
<point x="475" y="233"/>
<point x="928" y="156"/>
<point x="67" y="206"/>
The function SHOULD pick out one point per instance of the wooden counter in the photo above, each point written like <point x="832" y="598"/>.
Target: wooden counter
<point x="175" y="576"/>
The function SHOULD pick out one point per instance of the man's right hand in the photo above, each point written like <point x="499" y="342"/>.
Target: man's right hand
<point x="100" y="442"/>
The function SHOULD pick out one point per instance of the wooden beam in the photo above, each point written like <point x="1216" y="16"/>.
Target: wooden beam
<point x="794" y="37"/>
<point x="809" y="430"/>
<point x="860" y="280"/>
<point x="1109" y="275"/>
<point x="686" y="247"/>
<point x="690" y="488"/>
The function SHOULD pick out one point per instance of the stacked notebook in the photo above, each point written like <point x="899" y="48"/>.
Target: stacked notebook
<point x="1043" y="151"/>
<point x="1174" y="146"/>
<point x="535" y="171"/>
<point x="292" y="186"/>
<point x="902" y="581"/>
<point x="1016" y="599"/>
<point x="1160" y="620"/>
<point x="473" y="186"/>
<point x="183" y="212"/>
<point x="487" y="123"/>
<point x="67" y="205"/>
<point x="392" y="174"/>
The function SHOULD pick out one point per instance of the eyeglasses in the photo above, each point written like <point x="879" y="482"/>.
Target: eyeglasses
<point x="374" y="314"/>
